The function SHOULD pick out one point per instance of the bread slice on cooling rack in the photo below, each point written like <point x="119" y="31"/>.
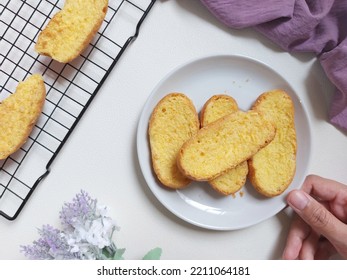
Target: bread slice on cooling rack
<point x="70" y="30"/>
<point x="216" y="107"/>
<point x="173" y="121"/>
<point x="272" y="169"/>
<point x="19" y="113"/>
<point x="224" y="144"/>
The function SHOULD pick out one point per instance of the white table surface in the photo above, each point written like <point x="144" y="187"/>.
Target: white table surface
<point x="100" y="156"/>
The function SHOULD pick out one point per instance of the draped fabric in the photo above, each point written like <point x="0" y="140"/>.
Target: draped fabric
<point x="318" y="26"/>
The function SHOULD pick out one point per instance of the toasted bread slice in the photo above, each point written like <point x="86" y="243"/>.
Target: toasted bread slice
<point x="19" y="113"/>
<point x="224" y="144"/>
<point x="272" y="169"/>
<point x="173" y="121"/>
<point x="216" y="107"/>
<point x="70" y="30"/>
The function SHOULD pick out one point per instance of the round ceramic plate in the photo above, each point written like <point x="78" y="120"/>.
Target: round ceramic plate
<point x="244" y="79"/>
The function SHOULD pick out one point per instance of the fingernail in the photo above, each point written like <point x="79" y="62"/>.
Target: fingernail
<point x="298" y="200"/>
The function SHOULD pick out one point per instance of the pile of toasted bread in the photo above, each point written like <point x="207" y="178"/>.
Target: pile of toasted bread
<point x="225" y="146"/>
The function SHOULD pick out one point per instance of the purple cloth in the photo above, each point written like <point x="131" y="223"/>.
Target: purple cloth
<point x="318" y="26"/>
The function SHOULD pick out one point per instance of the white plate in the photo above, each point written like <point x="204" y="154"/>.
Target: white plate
<point x="244" y="79"/>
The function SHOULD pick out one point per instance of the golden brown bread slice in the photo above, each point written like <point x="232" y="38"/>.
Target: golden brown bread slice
<point x="272" y="169"/>
<point x="216" y="107"/>
<point x="224" y="144"/>
<point x="173" y="121"/>
<point x="70" y="30"/>
<point x="19" y="113"/>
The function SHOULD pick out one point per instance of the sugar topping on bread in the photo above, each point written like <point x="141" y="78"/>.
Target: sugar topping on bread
<point x="216" y="107"/>
<point x="19" y="113"/>
<point x="224" y="144"/>
<point x="70" y="30"/>
<point x="230" y="143"/>
<point x="272" y="169"/>
<point x="174" y="120"/>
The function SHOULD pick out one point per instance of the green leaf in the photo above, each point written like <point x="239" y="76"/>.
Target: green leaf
<point x="119" y="254"/>
<point x="153" y="254"/>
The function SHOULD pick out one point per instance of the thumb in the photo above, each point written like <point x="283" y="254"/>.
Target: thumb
<point x="317" y="217"/>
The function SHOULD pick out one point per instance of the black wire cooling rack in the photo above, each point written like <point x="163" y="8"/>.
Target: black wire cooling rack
<point x="70" y="87"/>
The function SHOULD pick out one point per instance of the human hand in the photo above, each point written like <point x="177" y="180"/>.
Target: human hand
<point x="319" y="231"/>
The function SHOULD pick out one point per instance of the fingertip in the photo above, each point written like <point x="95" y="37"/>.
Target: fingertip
<point x="286" y="255"/>
<point x="290" y="254"/>
<point x="297" y="199"/>
<point x="292" y="249"/>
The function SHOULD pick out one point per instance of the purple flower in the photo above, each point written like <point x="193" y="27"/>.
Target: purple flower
<point x="51" y="245"/>
<point x="87" y="233"/>
<point x="78" y="211"/>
